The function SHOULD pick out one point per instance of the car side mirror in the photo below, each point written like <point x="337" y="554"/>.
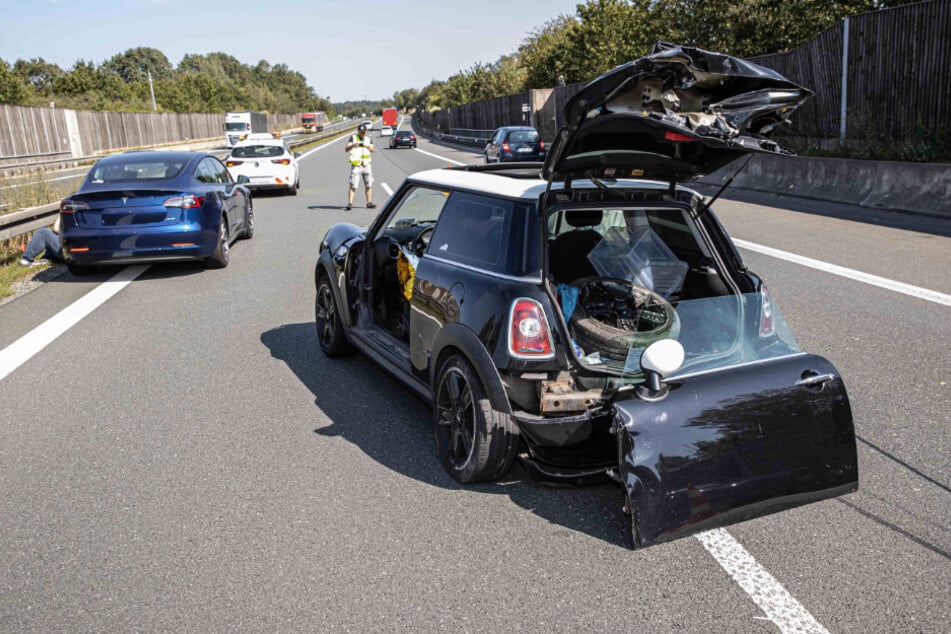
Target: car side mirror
<point x="658" y="360"/>
<point x="243" y="180"/>
<point x="296" y="154"/>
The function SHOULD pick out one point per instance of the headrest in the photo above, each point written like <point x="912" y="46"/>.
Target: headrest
<point x="583" y="217"/>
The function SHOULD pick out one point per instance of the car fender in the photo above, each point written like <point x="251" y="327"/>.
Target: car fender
<point x="461" y="338"/>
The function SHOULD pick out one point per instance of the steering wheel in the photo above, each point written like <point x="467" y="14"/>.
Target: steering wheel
<point x="421" y="241"/>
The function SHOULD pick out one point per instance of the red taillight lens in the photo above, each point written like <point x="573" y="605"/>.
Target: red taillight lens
<point x="528" y="330"/>
<point x="505" y="147"/>
<point x="233" y="163"/>
<point x="677" y="137"/>
<point x="72" y="206"/>
<point x="281" y="161"/>
<point x="413" y="137"/>
<point x="185" y="202"/>
<point x="766" y="328"/>
<point x="541" y="145"/>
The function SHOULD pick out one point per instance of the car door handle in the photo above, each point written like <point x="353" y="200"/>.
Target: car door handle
<point x="815" y="379"/>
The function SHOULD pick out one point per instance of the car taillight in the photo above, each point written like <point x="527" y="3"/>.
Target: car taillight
<point x="541" y="145"/>
<point x="528" y="330"/>
<point x="677" y="137"/>
<point x="233" y="163"/>
<point x="185" y="202"/>
<point x="413" y="138"/>
<point x="766" y="328"/>
<point x="505" y="147"/>
<point x="72" y="206"/>
<point x="281" y="161"/>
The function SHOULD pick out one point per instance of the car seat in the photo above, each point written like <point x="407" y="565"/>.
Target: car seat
<point x="568" y="252"/>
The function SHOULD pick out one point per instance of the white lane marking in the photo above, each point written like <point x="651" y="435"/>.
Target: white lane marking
<point x="868" y="278"/>
<point x="780" y="607"/>
<point x="441" y="158"/>
<point x="386" y="188"/>
<point x="21" y="350"/>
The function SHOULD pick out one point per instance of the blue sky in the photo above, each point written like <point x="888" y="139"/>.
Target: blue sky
<point x="346" y="50"/>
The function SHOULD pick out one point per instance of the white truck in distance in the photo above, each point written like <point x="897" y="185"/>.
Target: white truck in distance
<point x="240" y="124"/>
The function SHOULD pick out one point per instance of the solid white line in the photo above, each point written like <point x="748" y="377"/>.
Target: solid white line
<point x="867" y="278"/>
<point x="442" y="158"/>
<point x="21" y="350"/>
<point x="780" y="607"/>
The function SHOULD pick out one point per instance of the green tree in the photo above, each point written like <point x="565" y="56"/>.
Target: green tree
<point x="136" y="64"/>
<point x="13" y="89"/>
<point x="39" y="73"/>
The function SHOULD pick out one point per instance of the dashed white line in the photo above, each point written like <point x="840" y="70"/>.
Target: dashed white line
<point x="21" y="350"/>
<point x="386" y="188"/>
<point x="441" y="158"/>
<point x="867" y="278"/>
<point x="772" y="598"/>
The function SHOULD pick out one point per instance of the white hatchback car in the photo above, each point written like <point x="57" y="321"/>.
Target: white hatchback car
<point x="267" y="162"/>
<point x="386" y="131"/>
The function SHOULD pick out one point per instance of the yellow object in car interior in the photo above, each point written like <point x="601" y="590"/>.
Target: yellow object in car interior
<point x="406" y="273"/>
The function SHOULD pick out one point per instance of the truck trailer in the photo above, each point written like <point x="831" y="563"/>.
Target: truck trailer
<point x="313" y="121"/>
<point x="390" y="117"/>
<point x="241" y="124"/>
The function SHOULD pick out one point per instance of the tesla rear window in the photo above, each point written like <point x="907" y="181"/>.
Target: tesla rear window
<point x="136" y="170"/>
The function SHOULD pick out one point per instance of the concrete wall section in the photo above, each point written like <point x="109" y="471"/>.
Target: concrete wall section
<point x="923" y="188"/>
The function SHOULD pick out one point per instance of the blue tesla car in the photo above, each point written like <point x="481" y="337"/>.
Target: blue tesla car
<point x="146" y="206"/>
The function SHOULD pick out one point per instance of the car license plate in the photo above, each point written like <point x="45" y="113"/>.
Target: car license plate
<point x="525" y="150"/>
<point x="260" y="179"/>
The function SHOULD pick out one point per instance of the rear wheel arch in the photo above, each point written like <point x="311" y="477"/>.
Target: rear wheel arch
<point x="455" y="338"/>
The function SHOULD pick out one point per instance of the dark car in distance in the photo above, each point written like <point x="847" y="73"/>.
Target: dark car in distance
<point x="146" y="206"/>
<point x="403" y="138"/>
<point x="515" y="143"/>
<point x="595" y="325"/>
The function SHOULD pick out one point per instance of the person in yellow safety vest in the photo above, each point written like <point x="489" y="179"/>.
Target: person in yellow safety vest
<point x="359" y="148"/>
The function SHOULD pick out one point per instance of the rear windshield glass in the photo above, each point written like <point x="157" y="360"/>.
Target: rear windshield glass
<point x="239" y="126"/>
<point x="523" y="136"/>
<point x="257" y="151"/>
<point x="402" y="134"/>
<point x="136" y="170"/>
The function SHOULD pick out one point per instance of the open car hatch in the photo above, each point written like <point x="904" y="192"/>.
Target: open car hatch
<point x="735" y="443"/>
<point x="675" y="115"/>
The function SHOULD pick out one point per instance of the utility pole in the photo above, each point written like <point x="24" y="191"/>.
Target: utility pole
<point x="151" y="90"/>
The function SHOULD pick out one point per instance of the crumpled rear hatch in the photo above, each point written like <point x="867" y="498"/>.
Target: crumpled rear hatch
<point x="674" y="115"/>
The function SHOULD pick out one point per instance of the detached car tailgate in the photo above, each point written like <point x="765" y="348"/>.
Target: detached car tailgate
<point x="733" y="444"/>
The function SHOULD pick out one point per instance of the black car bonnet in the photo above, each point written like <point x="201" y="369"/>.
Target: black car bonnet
<point x="674" y="115"/>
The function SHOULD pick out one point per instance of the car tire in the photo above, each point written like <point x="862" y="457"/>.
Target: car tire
<point x="615" y="343"/>
<point x="78" y="269"/>
<point x="222" y="255"/>
<point x="249" y="226"/>
<point x="330" y="334"/>
<point x="476" y="443"/>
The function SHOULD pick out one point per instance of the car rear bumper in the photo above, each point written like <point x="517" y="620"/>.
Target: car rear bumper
<point x="124" y="246"/>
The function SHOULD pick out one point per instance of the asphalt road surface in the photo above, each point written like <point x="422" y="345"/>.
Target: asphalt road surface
<point x="182" y="457"/>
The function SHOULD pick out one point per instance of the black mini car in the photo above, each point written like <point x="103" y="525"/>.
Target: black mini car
<point x="594" y="325"/>
<point x="403" y="138"/>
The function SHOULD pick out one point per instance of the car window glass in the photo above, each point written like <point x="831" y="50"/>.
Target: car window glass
<point x="221" y="174"/>
<point x="473" y="230"/>
<point x="136" y="169"/>
<point x="206" y="172"/>
<point x="523" y="136"/>
<point x="419" y="205"/>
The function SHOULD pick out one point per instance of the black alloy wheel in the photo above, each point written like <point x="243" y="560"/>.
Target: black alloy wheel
<point x="330" y="333"/>
<point x="475" y="442"/>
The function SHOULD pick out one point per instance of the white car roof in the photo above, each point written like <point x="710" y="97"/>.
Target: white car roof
<point x="509" y="187"/>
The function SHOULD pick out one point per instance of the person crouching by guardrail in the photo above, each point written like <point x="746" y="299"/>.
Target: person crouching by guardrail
<point x="359" y="148"/>
<point x="45" y="239"/>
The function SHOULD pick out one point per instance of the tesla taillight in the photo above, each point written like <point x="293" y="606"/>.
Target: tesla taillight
<point x="766" y="328"/>
<point x="281" y="161"/>
<point x="528" y="330"/>
<point x="233" y="163"/>
<point x="72" y="206"/>
<point x="185" y="202"/>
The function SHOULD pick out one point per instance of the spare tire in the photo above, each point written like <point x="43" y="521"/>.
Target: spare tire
<point x="614" y="315"/>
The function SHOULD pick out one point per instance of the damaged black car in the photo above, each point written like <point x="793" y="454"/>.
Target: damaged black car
<point x="590" y="318"/>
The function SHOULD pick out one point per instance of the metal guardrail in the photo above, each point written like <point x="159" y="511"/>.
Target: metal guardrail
<point x="24" y="221"/>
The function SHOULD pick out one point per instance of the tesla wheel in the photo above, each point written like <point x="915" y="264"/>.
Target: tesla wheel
<point x="330" y="333"/>
<point x="475" y="442"/>
<point x="77" y="269"/>
<point x="219" y="259"/>
<point x="249" y="224"/>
